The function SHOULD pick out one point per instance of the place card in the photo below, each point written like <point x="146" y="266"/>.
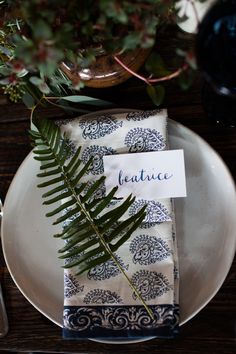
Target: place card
<point x="147" y="175"/>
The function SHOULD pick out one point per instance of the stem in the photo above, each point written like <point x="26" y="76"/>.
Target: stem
<point x="130" y="70"/>
<point x="51" y="98"/>
<point x="34" y="108"/>
<point x="72" y="109"/>
<point x="32" y="113"/>
<point x="171" y="76"/>
<point x="150" y="81"/>
<point x="52" y="103"/>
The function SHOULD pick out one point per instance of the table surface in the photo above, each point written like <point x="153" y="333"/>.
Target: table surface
<point x="210" y="331"/>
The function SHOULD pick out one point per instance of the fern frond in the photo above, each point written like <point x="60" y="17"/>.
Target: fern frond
<point x="89" y="228"/>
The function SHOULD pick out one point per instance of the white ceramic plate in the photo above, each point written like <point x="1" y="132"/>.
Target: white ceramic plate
<point x="195" y="12"/>
<point x="206" y="231"/>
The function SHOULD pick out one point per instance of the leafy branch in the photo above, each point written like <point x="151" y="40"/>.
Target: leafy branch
<point x="91" y="234"/>
<point x="34" y="50"/>
<point x="62" y="102"/>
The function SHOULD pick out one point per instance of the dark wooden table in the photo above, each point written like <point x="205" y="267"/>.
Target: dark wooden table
<point x="213" y="329"/>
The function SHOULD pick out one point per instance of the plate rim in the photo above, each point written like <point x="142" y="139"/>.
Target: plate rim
<point x="30" y="156"/>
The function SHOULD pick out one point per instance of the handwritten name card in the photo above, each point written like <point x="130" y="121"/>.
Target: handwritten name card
<point x="148" y="175"/>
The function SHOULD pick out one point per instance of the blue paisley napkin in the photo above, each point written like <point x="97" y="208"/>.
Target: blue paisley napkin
<point x="100" y="303"/>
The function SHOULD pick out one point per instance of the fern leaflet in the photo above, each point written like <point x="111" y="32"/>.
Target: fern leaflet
<point x="92" y="234"/>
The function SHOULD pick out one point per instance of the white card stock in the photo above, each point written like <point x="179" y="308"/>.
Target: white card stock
<point x="148" y="175"/>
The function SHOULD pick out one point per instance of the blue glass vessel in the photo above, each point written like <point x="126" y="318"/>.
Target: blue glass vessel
<point x="216" y="57"/>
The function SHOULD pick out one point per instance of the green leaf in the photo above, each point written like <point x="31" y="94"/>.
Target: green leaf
<point x="181" y="52"/>
<point x="40" y="83"/>
<point x="124" y="225"/>
<point x="49" y="67"/>
<point x="92" y="264"/>
<point x="104" y="203"/>
<point x="86" y="100"/>
<point x="28" y="100"/>
<point x="131" y="41"/>
<point x="56" y="199"/>
<point x="125" y="237"/>
<point x="156" y="66"/>
<point x="50" y="182"/>
<point x="185" y="79"/>
<point x="60" y="188"/>
<point x="74" y="230"/>
<point x="156" y="93"/>
<point x="92" y="190"/>
<point x="44" y="88"/>
<point x="4" y="71"/>
<point x="35" y="80"/>
<point x="71" y="213"/>
<point x="60" y="208"/>
<point x="41" y="30"/>
<point x="75" y="240"/>
<point x="87" y="222"/>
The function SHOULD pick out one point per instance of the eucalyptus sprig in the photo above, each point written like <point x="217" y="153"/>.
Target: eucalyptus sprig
<point x="36" y="37"/>
<point x="92" y="232"/>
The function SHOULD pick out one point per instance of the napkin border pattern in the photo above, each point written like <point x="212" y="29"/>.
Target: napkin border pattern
<point x="120" y="321"/>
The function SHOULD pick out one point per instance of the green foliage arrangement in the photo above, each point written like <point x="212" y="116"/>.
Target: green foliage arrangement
<point x="37" y="35"/>
<point x="91" y="234"/>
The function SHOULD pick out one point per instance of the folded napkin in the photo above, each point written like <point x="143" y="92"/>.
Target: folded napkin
<point x="100" y="303"/>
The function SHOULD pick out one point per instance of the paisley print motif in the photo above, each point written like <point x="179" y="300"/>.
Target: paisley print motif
<point x="97" y="152"/>
<point x="100" y="296"/>
<point x="144" y="139"/>
<point x="156" y="212"/>
<point x="99" y="127"/>
<point x="71" y="286"/>
<point x="138" y="116"/>
<point x="149" y="249"/>
<point x="150" y="284"/>
<point x="106" y="270"/>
